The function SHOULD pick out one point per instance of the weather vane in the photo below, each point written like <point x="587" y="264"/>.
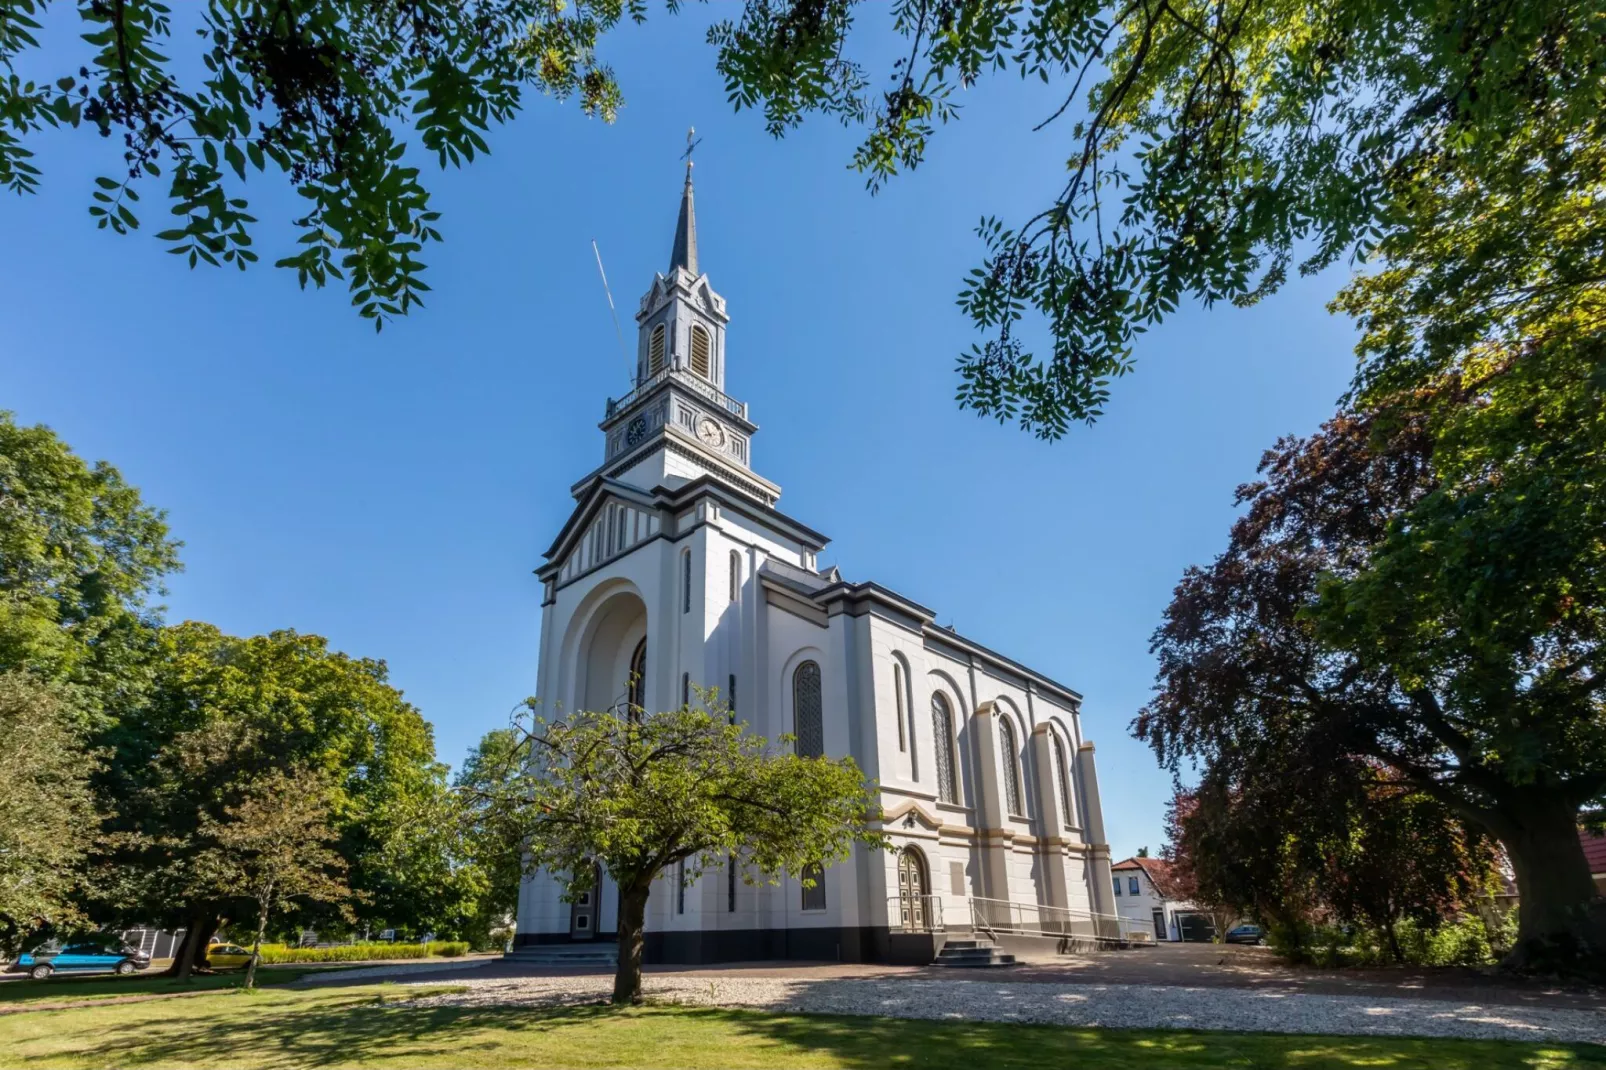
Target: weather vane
<point x="692" y="141"/>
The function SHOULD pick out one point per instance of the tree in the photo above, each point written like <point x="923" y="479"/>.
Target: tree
<point x="1218" y="145"/>
<point x="80" y="556"/>
<point x="276" y="845"/>
<point x="639" y="796"/>
<point x="1189" y="872"/>
<point x="499" y="858"/>
<point x="47" y="814"/>
<point x="224" y="712"/>
<point x="319" y="92"/>
<point x="1420" y="586"/>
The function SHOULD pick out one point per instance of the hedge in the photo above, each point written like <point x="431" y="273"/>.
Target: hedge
<point x="363" y="952"/>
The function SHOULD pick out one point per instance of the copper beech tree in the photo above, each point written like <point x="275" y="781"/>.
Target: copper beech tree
<point x="1421" y="587"/>
<point x="641" y="795"/>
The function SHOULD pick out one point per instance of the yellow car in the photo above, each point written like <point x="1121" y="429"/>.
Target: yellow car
<point x="227" y="956"/>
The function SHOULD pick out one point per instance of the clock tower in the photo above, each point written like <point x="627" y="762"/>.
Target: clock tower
<point x="678" y="424"/>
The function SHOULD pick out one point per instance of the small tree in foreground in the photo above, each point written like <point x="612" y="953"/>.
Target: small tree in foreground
<point x="638" y="796"/>
<point x="274" y="846"/>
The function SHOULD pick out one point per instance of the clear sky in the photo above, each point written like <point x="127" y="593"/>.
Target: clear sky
<point x="393" y="492"/>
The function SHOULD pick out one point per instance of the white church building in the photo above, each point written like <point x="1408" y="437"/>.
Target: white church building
<point x="677" y="570"/>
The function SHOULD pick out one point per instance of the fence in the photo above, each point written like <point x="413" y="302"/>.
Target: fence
<point x="915" y="913"/>
<point x="994" y="916"/>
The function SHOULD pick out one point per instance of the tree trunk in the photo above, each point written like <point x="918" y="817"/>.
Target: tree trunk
<point x="1561" y="920"/>
<point x="632" y="922"/>
<point x="256" y="947"/>
<point x="191" y="951"/>
<point x="1394" y="941"/>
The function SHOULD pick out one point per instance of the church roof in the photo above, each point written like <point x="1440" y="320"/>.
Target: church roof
<point x="684" y="254"/>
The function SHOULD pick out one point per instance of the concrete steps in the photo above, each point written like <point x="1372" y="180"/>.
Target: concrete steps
<point x="603" y="953"/>
<point x="972" y="954"/>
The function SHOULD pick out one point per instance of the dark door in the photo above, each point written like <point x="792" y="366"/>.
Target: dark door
<point x="1159" y="925"/>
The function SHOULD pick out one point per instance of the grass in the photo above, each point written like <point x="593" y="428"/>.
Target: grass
<point x="279" y="1029"/>
<point x="106" y="986"/>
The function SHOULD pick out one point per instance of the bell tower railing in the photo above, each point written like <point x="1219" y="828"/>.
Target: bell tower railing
<point x="685" y="377"/>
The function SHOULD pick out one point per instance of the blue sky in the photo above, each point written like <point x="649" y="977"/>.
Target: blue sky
<point x="394" y="491"/>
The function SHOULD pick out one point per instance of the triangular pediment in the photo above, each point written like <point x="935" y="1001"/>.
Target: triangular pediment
<point x="609" y="518"/>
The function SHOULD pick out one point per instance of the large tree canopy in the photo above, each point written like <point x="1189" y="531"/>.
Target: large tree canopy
<point x="225" y="713"/>
<point x="80" y="556"/>
<point x="1422" y="586"/>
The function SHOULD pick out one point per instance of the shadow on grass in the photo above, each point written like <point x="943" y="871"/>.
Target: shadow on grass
<point x="97" y="986"/>
<point x="358" y="1028"/>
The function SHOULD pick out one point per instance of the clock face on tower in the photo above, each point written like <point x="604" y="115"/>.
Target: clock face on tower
<point x="711" y="433"/>
<point x="636" y="431"/>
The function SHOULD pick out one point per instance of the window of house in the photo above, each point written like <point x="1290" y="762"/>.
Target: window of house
<point x="942" y="737"/>
<point x="813" y="897"/>
<point x="736" y="575"/>
<point x="730" y="700"/>
<point x="730" y="885"/>
<point x="1132" y="885"/>
<point x="680" y="887"/>
<point x="699" y="351"/>
<point x="1006" y="737"/>
<point x="807" y="713"/>
<point x="655" y="351"/>
<point x="1062" y="773"/>
<point x="685" y="581"/>
<point x="685" y="689"/>
<point x="1117" y="885"/>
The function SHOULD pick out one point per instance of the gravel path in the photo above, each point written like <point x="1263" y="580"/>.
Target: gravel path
<point x="1115" y="1006"/>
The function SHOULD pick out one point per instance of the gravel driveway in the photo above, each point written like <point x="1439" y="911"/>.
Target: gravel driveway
<point x="1117" y="1006"/>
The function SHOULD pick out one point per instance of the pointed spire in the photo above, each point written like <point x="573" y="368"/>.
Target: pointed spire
<point x="684" y="253"/>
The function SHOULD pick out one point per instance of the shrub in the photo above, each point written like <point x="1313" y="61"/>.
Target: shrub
<point x="363" y="952"/>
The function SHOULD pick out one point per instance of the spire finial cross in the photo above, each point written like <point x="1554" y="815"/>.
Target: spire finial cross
<point x="692" y="141"/>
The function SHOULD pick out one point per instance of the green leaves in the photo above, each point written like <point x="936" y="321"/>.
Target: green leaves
<point x="325" y="91"/>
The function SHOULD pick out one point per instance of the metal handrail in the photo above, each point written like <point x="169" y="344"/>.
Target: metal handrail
<point x="993" y="916"/>
<point x="898" y="917"/>
<point x="686" y="377"/>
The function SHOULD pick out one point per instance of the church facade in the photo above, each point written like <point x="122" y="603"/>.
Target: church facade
<point x="677" y="571"/>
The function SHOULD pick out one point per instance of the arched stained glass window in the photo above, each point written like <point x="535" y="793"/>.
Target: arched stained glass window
<point x="814" y="892"/>
<point x="637" y="687"/>
<point x="699" y="351"/>
<point x="1011" y="756"/>
<point x="898" y="700"/>
<point x="685" y="581"/>
<point x="942" y="738"/>
<point x="655" y="351"/>
<point x="807" y="712"/>
<point x="1063" y="772"/>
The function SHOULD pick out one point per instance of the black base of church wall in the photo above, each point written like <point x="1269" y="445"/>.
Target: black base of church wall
<point x="537" y="939"/>
<point x="868" y="943"/>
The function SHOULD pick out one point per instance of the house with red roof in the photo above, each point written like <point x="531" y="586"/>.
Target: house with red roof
<point x="1595" y="855"/>
<point x="1145" y="893"/>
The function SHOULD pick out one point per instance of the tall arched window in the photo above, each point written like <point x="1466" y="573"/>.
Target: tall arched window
<point x="699" y="351"/>
<point x="814" y="888"/>
<point x="655" y="351"/>
<point x="637" y="688"/>
<point x="685" y="581"/>
<point x="736" y="575"/>
<point x="899" y="702"/>
<point x="807" y="714"/>
<point x="1011" y="756"/>
<point x="942" y="738"/>
<point x="1063" y="773"/>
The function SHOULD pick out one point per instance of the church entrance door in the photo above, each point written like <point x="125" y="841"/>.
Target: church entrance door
<point x="912" y="899"/>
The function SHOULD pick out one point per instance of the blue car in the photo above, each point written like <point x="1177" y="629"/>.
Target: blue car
<point x="50" y="958"/>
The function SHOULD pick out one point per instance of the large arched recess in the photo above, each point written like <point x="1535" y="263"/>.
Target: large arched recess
<point x="602" y="635"/>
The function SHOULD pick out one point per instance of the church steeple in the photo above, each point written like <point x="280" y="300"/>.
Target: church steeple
<point x="684" y="254"/>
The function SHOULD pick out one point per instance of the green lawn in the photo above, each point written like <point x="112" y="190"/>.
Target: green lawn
<point x="371" y="1026"/>
<point x="103" y="986"/>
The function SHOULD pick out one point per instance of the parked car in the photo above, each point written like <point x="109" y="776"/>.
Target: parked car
<point x="1246" y="934"/>
<point x="227" y="956"/>
<point x="81" y="957"/>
